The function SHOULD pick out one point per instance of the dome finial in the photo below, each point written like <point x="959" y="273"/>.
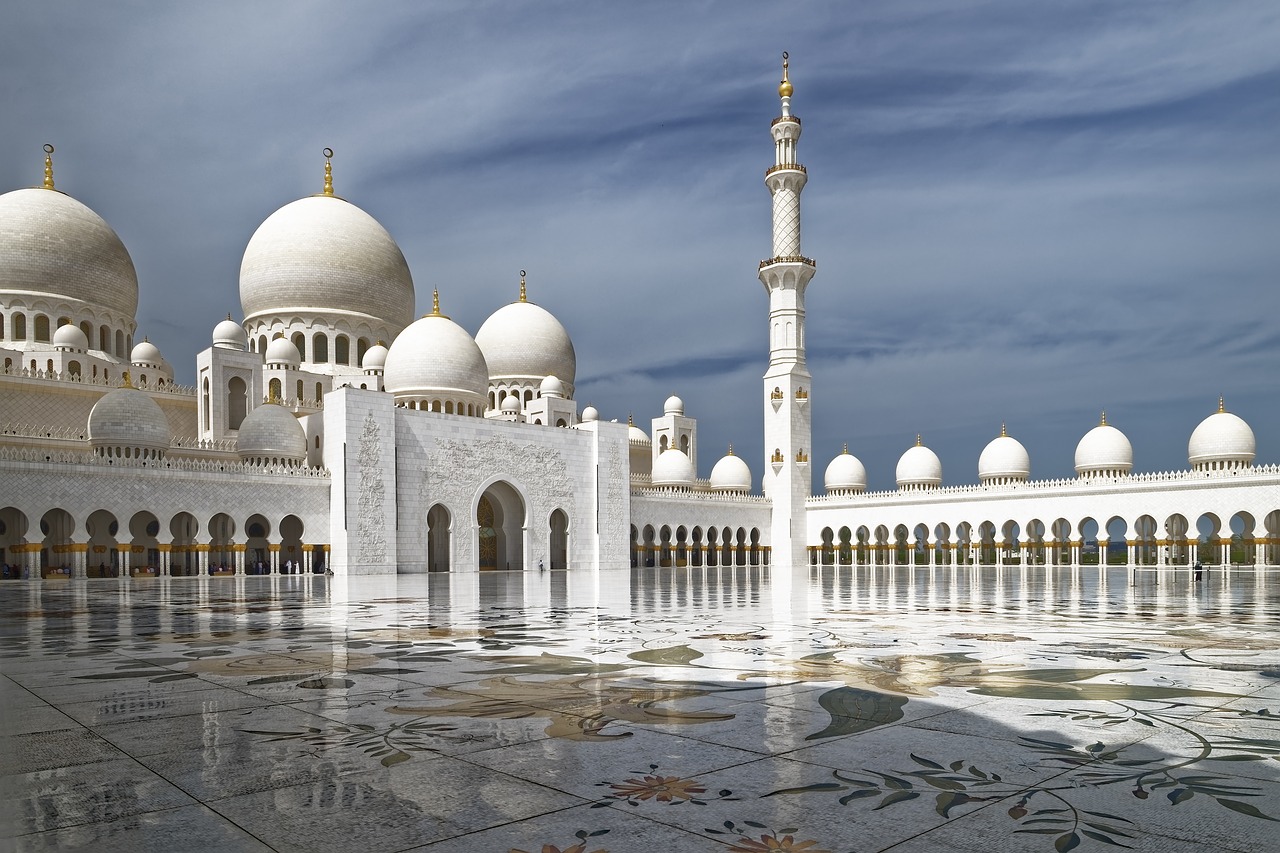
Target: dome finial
<point x="784" y="88"/>
<point x="523" y="296"/>
<point x="125" y="382"/>
<point x="631" y="421"/>
<point x="919" y="443"/>
<point x="731" y="448"/>
<point x="435" y="303"/>
<point x="1103" y="422"/>
<point x="328" y="171"/>
<point x="1221" y="404"/>
<point x="48" y="166"/>
<point x="845" y="452"/>
<point x="1004" y="433"/>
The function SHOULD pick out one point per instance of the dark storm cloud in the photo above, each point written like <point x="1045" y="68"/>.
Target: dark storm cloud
<point x="1021" y="212"/>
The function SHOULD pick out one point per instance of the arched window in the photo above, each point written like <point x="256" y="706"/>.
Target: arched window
<point x="319" y="348"/>
<point x="299" y="393"/>
<point x="362" y="346"/>
<point x="319" y="391"/>
<point x="300" y="341"/>
<point x="42" y="327"/>
<point x="448" y="407"/>
<point x="87" y="328"/>
<point x="237" y="402"/>
<point x="1" y="327"/>
<point x="73" y="368"/>
<point x="274" y="390"/>
<point x="128" y="344"/>
<point x="528" y="397"/>
<point x="104" y="339"/>
<point x="120" y="343"/>
<point x="19" y="327"/>
<point x="205" y="389"/>
<point x="342" y="350"/>
<point x="262" y="343"/>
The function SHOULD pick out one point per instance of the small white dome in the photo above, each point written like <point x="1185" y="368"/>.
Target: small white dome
<point x="229" y="334"/>
<point x="281" y="350"/>
<point x="590" y="414"/>
<point x="846" y="473"/>
<point x="1222" y="440"/>
<point x="1004" y="459"/>
<point x="435" y="358"/>
<point x="510" y="405"/>
<point x="673" y="468"/>
<point x="375" y="358"/>
<point x="523" y="341"/>
<point x="146" y="353"/>
<point x="730" y="474"/>
<point x="635" y="435"/>
<point x="1104" y="450"/>
<point x="919" y="467"/>
<point x="125" y="421"/>
<point x="673" y="406"/>
<point x="70" y="337"/>
<point x="551" y="387"/>
<point x="270" y="434"/>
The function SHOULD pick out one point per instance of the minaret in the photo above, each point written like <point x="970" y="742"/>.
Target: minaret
<point x="787" y="381"/>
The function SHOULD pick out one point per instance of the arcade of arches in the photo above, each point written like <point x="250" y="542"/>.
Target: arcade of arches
<point x="100" y="544"/>
<point x="1177" y="540"/>
<point x="500" y="520"/>
<point x="683" y="546"/>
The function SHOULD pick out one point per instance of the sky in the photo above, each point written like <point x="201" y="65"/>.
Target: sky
<point x="1021" y="213"/>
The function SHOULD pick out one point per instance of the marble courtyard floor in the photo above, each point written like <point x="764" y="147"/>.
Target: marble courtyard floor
<point x="723" y="709"/>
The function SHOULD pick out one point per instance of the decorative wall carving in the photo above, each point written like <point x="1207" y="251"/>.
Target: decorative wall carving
<point x="371" y="525"/>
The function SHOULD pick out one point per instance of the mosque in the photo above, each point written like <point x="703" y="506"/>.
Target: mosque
<point x="328" y="430"/>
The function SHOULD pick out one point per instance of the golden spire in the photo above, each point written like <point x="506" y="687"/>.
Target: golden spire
<point x="1103" y="422"/>
<point x="630" y="420"/>
<point x="1221" y="405"/>
<point x="328" y="171"/>
<point x="523" y="296"/>
<point x="731" y="448"/>
<point x="1003" y="432"/>
<point x="846" y="449"/>
<point x="125" y="382"/>
<point x="48" y="166"/>
<point x="435" y="303"/>
<point x="784" y="89"/>
<point x="919" y="443"/>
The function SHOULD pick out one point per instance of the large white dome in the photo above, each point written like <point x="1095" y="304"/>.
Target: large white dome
<point x="730" y="474"/>
<point x="523" y="341"/>
<point x="56" y="248"/>
<point x="435" y="359"/>
<point x="1003" y="460"/>
<point x="673" y="468"/>
<point x="1104" y="450"/>
<point x="1222" y="440"/>
<point x="919" y="467"/>
<point x="127" y="422"/>
<point x="271" y="435"/>
<point x="846" y="473"/>
<point x="324" y="256"/>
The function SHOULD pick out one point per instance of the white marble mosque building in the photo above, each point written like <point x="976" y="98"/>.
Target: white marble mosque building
<point x="330" y="430"/>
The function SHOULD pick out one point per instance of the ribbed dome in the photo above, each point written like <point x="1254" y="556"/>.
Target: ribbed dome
<point x="229" y="334"/>
<point x="1222" y="440"/>
<point x="271" y="435"/>
<point x="673" y="468"/>
<point x="56" y="247"/>
<point x="323" y="256"/>
<point x="524" y="341"/>
<point x="146" y="353"/>
<point x="673" y="406"/>
<point x="282" y="351"/>
<point x="846" y="473"/>
<point x="70" y="337"/>
<point x="919" y="467"/>
<point x="127" y="419"/>
<point x="1104" y="450"/>
<point x="731" y="474"/>
<point x="375" y="358"/>
<point x="436" y="358"/>
<point x="1004" y="459"/>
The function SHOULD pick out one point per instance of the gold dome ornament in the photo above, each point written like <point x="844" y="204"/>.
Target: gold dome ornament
<point x="328" y="172"/>
<point x="784" y="88"/>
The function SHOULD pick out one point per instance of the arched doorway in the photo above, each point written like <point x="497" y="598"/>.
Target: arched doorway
<point x="257" y="550"/>
<point x="559" y="540"/>
<point x="500" y="517"/>
<point x="438" y="522"/>
<point x="103" y="559"/>
<point x="291" y="530"/>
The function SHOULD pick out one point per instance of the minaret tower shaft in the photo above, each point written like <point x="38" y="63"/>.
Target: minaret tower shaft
<point x="787" y="413"/>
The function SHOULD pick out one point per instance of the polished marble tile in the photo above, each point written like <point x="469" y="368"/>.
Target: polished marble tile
<point x="189" y="829"/>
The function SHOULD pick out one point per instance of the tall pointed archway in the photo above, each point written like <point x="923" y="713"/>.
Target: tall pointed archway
<point x="500" y="528"/>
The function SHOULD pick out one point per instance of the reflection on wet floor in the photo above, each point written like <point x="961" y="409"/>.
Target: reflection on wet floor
<point x="831" y="708"/>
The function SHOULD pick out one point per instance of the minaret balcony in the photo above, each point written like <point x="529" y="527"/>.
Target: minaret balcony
<point x="780" y="119"/>
<point x="788" y="259"/>
<point x="793" y="167"/>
